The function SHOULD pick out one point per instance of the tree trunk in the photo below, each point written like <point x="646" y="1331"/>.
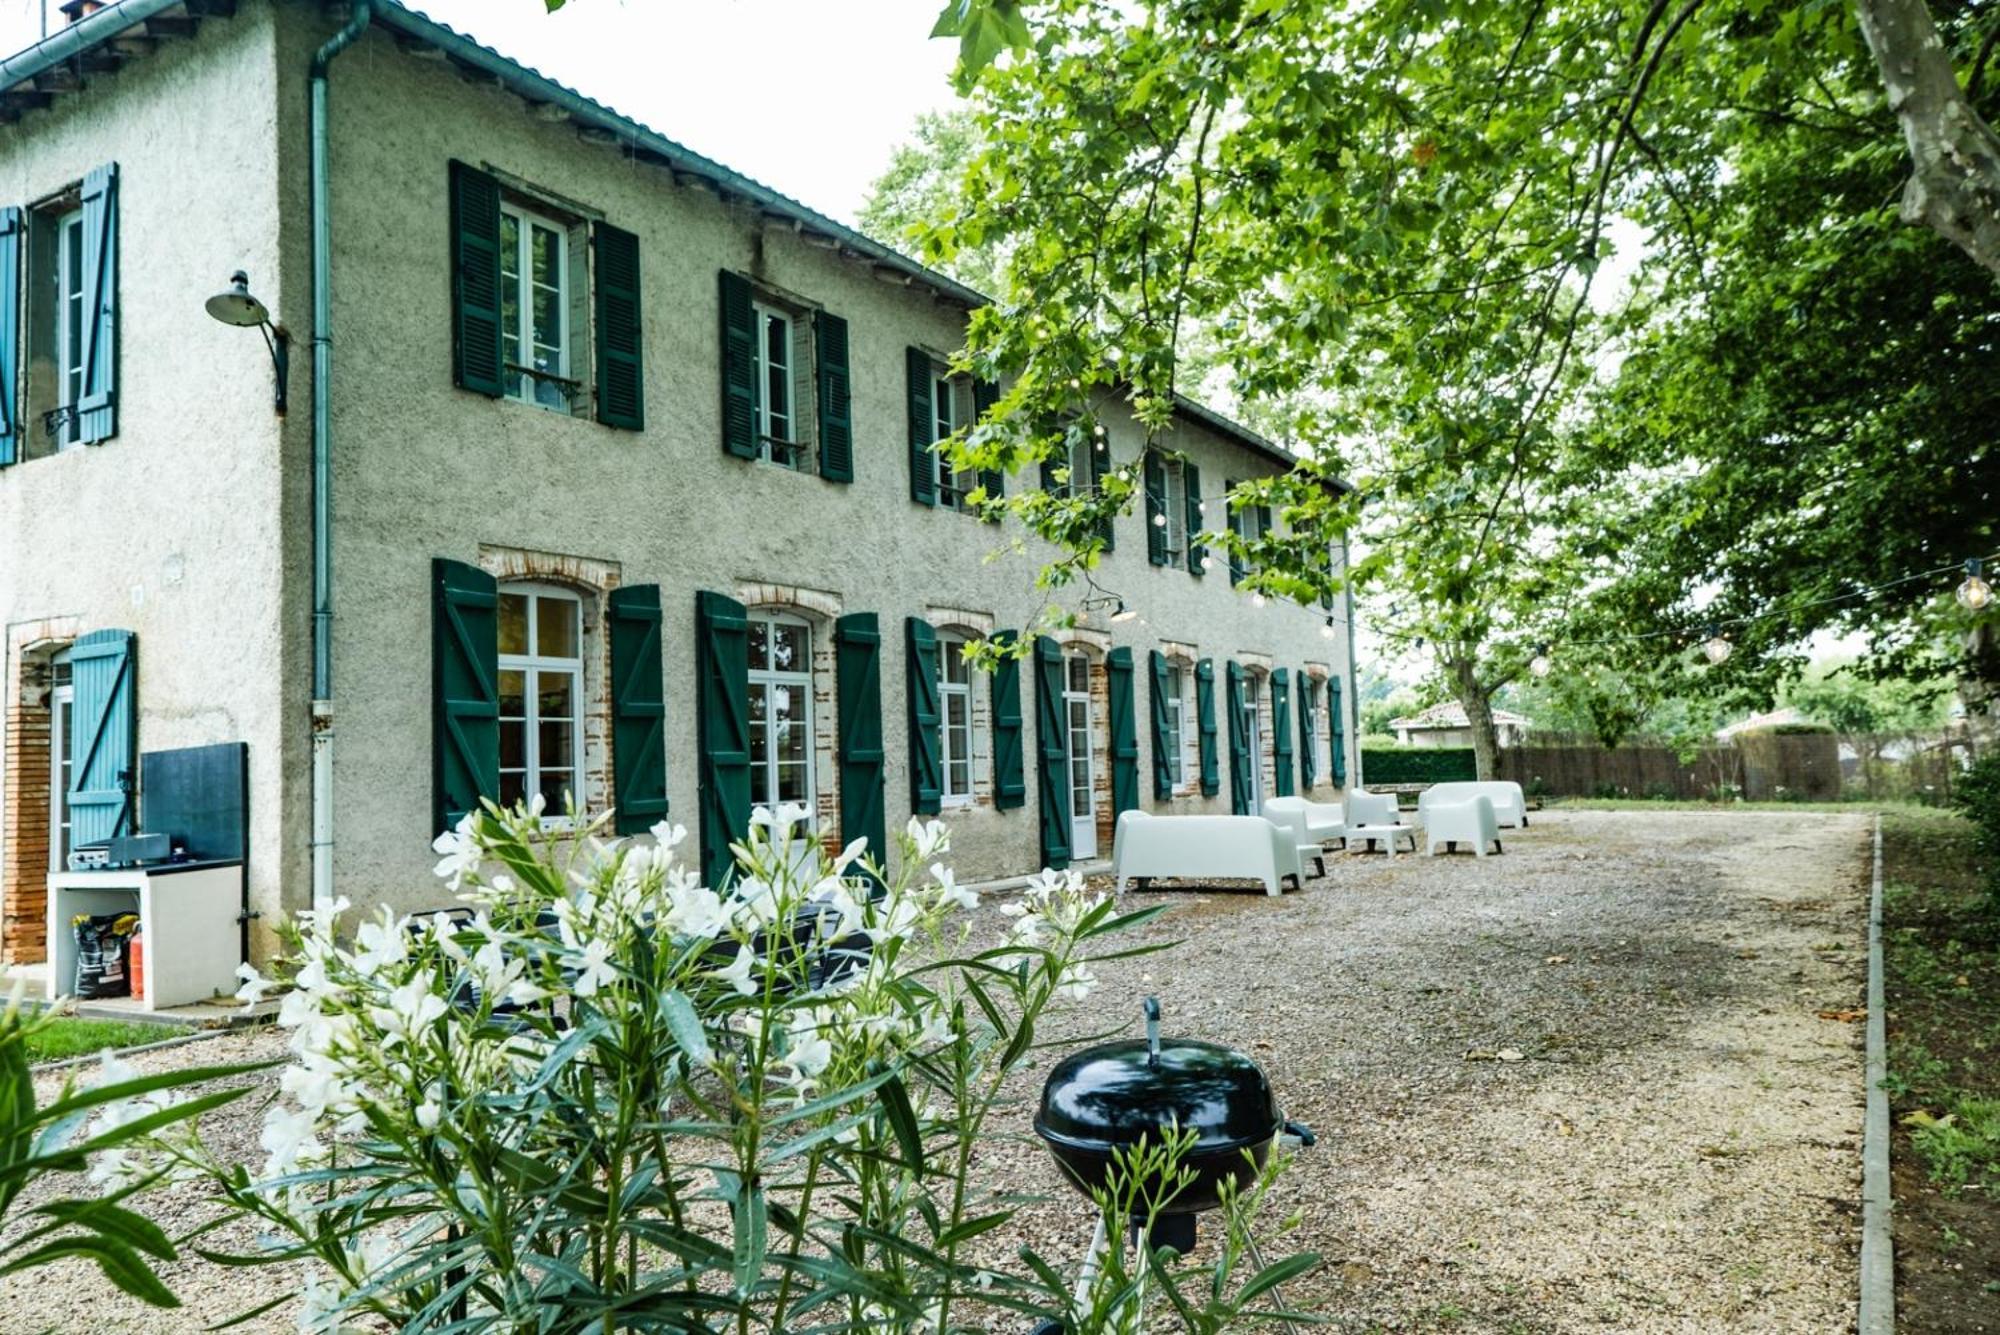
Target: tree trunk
<point x="1477" y="701"/>
<point x="1954" y="185"/>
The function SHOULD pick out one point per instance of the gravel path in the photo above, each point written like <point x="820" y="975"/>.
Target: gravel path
<point x="1676" y="1149"/>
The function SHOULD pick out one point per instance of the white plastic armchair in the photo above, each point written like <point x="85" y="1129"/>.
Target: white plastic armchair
<point x="1291" y="821"/>
<point x="1366" y="808"/>
<point x="1453" y="823"/>
<point x="1325" y="821"/>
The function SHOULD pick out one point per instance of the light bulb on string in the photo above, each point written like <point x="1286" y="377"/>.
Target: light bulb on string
<point x="1208" y="563"/>
<point x="1256" y="600"/>
<point x="1122" y="613"/>
<point x="1975" y="594"/>
<point x="1716" y="647"/>
<point x="1326" y="631"/>
<point x="1540" y="664"/>
<point x="1160" y="520"/>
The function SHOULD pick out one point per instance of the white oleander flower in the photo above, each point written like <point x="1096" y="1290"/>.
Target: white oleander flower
<point x="737" y="972"/>
<point x="950" y="891"/>
<point x="598" y="971"/>
<point x="667" y="835"/>
<point x="380" y="942"/>
<point x="255" y="985"/>
<point x="291" y="1140"/>
<point x="697" y="910"/>
<point x="930" y="837"/>
<point x="458" y="853"/>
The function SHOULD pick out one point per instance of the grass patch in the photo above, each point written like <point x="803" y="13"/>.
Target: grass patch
<point x="68" y="1036"/>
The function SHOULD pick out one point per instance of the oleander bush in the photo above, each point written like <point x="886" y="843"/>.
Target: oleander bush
<point x="608" y="1097"/>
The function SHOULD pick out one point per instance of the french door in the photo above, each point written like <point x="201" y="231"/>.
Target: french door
<point x="1076" y="707"/>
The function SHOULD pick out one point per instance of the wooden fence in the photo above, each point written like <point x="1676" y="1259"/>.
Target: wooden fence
<point x="1760" y="767"/>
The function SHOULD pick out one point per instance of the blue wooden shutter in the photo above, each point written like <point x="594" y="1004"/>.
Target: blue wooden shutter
<point x="1163" y="773"/>
<point x="638" y="707"/>
<point x="1119" y="693"/>
<point x="1242" y="764"/>
<point x="1156" y="508"/>
<point x="991" y="480"/>
<point x="1337" y="729"/>
<point x="1237" y="565"/>
<point x="1204" y="711"/>
<point x="1052" y="744"/>
<point x="1010" y="784"/>
<point x="465" y="690"/>
<point x="1100" y="464"/>
<point x="621" y="386"/>
<point x="1281" y="733"/>
<point x="739" y="365"/>
<point x="97" y="411"/>
<point x="836" y="405"/>
<point x="926" y="760"/>
<point x="923" y="423"/>
<point x="12" y="234"/>
<point x="1308" y="708"/>
<point x="104" y="735"/>
<point x="475" y="281"/>
<point x="722" y="730"/>
<point x="857" y="640"/>
<point x="1191" y="479"/>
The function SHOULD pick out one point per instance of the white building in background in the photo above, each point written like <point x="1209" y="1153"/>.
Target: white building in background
<point x="1446" y="725"/>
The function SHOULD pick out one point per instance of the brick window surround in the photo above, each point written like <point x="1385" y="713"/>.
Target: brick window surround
<point x="24" y="788"/>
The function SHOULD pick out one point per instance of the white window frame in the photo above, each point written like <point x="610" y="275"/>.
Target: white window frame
<point x="949" y="750"/>
<point x="1177" y="685"/>
<point x="1173" y="502"/>
<point x="62" y="718"/>
<point x="534" y="664"/>
<point x="764" y="787"/>
<point x="770" y="445"/>
<point x="71" y="320"/>
<point x="563" y="377"/>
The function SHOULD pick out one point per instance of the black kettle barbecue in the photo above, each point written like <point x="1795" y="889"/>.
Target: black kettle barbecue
<point x="1104" y="1100"/>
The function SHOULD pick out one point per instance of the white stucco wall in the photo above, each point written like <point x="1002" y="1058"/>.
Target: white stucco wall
<point x="172" y="529"/>
<point x="424" y="469"/>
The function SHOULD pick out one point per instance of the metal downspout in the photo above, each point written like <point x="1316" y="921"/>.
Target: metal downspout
<point x="322" y="460"/>
<point x="1353" y="681"/>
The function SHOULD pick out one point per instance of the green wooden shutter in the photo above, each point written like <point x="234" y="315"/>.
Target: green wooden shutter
<point x="1308" y="709"/>
<point x="97" y="410"/>
<point x="638" y="707"/>
<point x="1191" y="479"/>
<point x="1156" y="508"/>
<point x="739" y="365"/>
<point x="1052" y="744"/>
<point x="1281" y="733"/>
<point x="621" y="387"/>
<point x="475" y="281"/>
<point x="1204" y="711"/>
<point x="836" y="404"/>
<point x="104" y="735"/>
<point x="1163" y="772"/>
<point x="984" y="395"/>
<point x="1235" y="518"/>
<point x="1242" y="765"/>
<point x="1010" y="784"/>
<point x="1119" y="695"/>
<point x="1100" y="464"/>
<point x="1337" y="730"/>
<point x="465" y="690"/>
<point x="722" y="730"/>
<point x="926" y="760"/>
<point x="857" y="639"/>
<point x="12" y="234"/>
<point x="923" y="422"/>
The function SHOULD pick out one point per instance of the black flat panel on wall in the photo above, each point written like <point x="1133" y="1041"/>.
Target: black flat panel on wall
<point x="199" y="796"/>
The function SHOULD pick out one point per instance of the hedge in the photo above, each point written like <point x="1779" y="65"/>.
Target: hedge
<point x="1417" y="764"/>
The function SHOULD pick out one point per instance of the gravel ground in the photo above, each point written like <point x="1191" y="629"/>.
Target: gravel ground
<point x="1677" y="1147"/>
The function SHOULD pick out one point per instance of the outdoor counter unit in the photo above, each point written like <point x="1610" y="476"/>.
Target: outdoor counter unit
<point x="192" y="908"/>
<point x="188" y="916"/>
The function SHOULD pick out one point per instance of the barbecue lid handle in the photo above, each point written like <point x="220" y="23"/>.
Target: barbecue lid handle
<point x="1152" y="1031"/>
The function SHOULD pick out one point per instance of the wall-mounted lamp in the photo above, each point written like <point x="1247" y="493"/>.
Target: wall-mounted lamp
<point x="237" y="307"/>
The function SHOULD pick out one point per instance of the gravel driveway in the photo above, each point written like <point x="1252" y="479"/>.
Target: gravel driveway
<point x="1672" y="1142"/>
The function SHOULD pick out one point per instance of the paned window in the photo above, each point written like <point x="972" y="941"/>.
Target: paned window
<point x="1177" y="733"/>
<point x="541" y="694"/>
<point x="955" y="727"/>
<point x="534" y="309"/>
<point x="780" y="710"/>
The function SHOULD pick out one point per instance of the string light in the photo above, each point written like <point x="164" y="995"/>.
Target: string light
<point x="1975" y="594"/>
<point x="1256" y="600"/>
<point x="1160" y="520"/>
<point x="1540" y="664"/>
<point x="1716" y="647"/>
<point x="1326" y="631"/>
<point x="1208" y="563"/>
<point x="1122" y="613"/>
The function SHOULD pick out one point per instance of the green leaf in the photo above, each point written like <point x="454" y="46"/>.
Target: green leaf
<point x="903" y="1121"/>
<point x="685" y="1025"/>
<point x="752" y="1227"/>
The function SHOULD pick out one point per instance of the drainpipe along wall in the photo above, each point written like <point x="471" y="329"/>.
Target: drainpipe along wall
<point x="322" y="459"/>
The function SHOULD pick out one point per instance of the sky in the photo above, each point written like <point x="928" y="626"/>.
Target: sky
<point x="807" y="96"/>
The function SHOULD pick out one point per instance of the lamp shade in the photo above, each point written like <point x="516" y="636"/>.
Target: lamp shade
<point x="236" y="306"/>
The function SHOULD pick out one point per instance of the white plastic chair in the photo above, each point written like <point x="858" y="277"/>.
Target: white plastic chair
<point x="1291" y="820"/>
<point x="1454" y="823"/>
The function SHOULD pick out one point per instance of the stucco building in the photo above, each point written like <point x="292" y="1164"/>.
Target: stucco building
<point x="1446" y="725"/>
<point x="606" y="471"/>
